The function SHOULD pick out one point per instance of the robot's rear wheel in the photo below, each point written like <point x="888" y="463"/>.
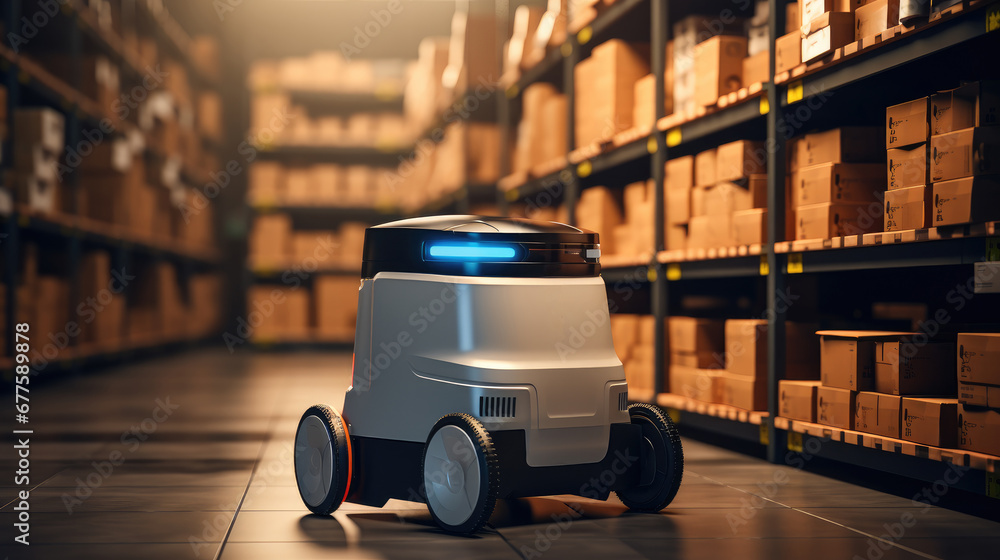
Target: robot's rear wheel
<point x="322" y="459"/>
<point x="662" y="460"/>
<point x="461" y="473"/>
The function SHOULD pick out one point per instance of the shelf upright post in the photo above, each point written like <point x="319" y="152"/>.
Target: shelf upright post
<point x="572" y="182"/>
<point x="658" y="44"/>
<point x="72" y="181"/>
<point x="11" y="241"/>
<point x="776" y="280"/>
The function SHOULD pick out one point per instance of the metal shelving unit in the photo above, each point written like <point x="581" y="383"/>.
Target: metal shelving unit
<point x="765" y="114"/>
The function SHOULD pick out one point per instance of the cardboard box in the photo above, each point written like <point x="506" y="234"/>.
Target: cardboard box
<point x="908" y="123"/>
<point x="825" y="221"/>
<point x="788" y="51"/>
<point x="691" y="334"/>
<point x="979" y="358"/>
<point x="598" y="211"/>
<point x="838" y="183"/>
<point x="877" y="414"/>
<point x="40" y="126"/>
<point x="701" y="360"/>
<point x="908" y="208"/>
<point x="965" y="153"/>
<point x="719" y="64"/>
<point x="336" y="301"/>
<point x="835" y="407"/>
<point x="743" y="392"/>
<point x="270" y="238"/>
<point x="979" y="429"/>
<point x="905" y="367"/>
<point x="848" y="144"/>
<point x="706" y="232"/>
<point x="930" y="421"/>
<point x="693" y="383"/>
<point x="797" y="400"/>
<point x="644" y="104"/>
<point x="721" y="199"/>
<point x="639" y="370"/>
<point x="266" y="182"/>
<point x="973" y="394"/>
<point x="604" y="89"/>
<point x="739" y="159"/>
<point x="973" y="104"/>
<point x="827" y="34"/>
<point x="678" y="210"/>
<point x="809" y="10"/>
<point x="705" y="168"/>
<point x="746" y="349"/>
<point x="624" y="333"/>
<point x="679" y="173"/>
<point x="875" y="17"/>
<point x="908" y="167"/>
<point x="675" y="237"/>
<point x="755" y="68"/>
<point x="971" y="199"/>
<point x="750" y="226"/>
<point x="847" y="359"/>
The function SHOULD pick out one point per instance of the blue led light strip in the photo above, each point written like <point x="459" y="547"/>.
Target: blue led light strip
<point x="470" y="251"/>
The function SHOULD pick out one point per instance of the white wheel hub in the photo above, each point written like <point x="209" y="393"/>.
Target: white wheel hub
<point x="314" y="464"/>
<point x="451" y="475"/>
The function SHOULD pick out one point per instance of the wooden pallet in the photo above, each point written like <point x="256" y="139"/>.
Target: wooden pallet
<point x="693" y="254"/>
<point x="985" y="229"/>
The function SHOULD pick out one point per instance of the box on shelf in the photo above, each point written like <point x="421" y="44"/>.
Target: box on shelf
<point x="746" y="349"/>
<point x="970" y="199"/>
<point x="965" y="153"/>
<point x="979" y="358"/>
<point x="974" y="394"/>
<point x="973" y="104"/>
<point x="706" y="232"/>
<point x="847" y="359"/>
<point x="797" y="399"/>
<point x="598" y="211"/>
<point x="705" y="168"/>
<point x="930" y="421"/>
<point x="808" y="10"/>
<point x="835" y="407"/>
<point x="743" y="392"/>
<point x="694" y="383"/>
<point x="36" y="193"/>
<point x="905" y="367"/>
<point x="750" y="226"/>
<point x="40" y="126"/>
<point x="848" y="144"/>
<point x="270" y="238"/>
<point x="875" y="17"/>
<point x="755" y="68"/>
<point x="908" y="208"/>
<point x="908" y="167"/>
<point x="604" y="89"/>
<point x="719" y="64"/>
<point x="826" y="220"/>
<point x="979" y="429"/>
<point x="788" y="51"/>
<point x="678" y="206"/>
<point x="644" y="104"/>
<point x="838" y="183"/>
<point x="907" y="124"/>
<point x="720" y="199"/>
<point x="335" y="301"/>
<point x="739" y="159"/>
<point x="679" y="173"/>
<point x="826" y="34"/>
<point x="624" y="334"/>
<point x="877" y="414"/>
<point x="675" y="236"/>
<point x="692" y="335"/>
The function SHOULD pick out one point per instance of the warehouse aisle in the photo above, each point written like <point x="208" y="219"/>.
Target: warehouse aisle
<point x="190" y="457"/>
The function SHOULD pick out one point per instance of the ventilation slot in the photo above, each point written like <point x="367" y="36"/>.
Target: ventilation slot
<point x="623" y="401"/>
<point x="497" y="407"/>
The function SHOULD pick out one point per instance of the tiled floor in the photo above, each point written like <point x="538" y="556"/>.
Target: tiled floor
<point x="202" y="444"/>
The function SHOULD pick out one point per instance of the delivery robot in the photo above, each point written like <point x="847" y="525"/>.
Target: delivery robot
<point x="484" y="369"/>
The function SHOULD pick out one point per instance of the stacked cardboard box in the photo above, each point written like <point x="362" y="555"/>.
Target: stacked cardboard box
<point x="755" y="65"/>
<point x="836" y="186"/>
<point x="826" y="26"/>
<point x="541" y="134"/>
<point x="875" y="16"/>
<point x="965" y="176"/>
<point x="103" y="311"/>
<point x="722" y="69"/>
<point x="335" y="299"/>
<point x="273" y="244"/>
<point x="604" y="87"/>
<point x="598" y="210"/>
<point x="696" y="357"/>
<point x="745" y="381"/>
<point x="730" y="187"/>
<point x="678" y="182"/>
<point x="634" y="237"/>
<point x="36" y="176"/>
<point x="908" y="201"/>
<point x="978" y="367"/>
<point x="282" y="312"/>
<point x="644" y="94"/>
<point x="634" y="338"/>
<point x="878" y="382"/>
<point x="719" y="64"/>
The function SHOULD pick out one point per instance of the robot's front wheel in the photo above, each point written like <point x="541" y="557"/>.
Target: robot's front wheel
<point x="661" y="460"/>
<point x="461" y="474"/>
<point x="322" y="459"/>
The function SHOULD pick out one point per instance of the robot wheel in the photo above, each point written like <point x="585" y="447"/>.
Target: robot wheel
<point x="322" y="459"/>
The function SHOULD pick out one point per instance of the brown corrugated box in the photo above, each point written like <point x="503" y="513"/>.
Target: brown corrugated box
<point x="750" y="226"/>
<point x="746" y="349"/>
<point x="755" y="68"/>
<point x="743" y="392"/>
<point x="694" y="383"/>
<point x="908" y="167"/>
<point x="598" y="211"/>
<point x="908" y="208"/>
<point x="838" y="182"/>
<point x="739" y="159"/>
<point x="719" y="67"/>
<point x="604" y="89"/>
<point x="847" y="144"/>
<point x="964" y="153"/>
<point x="908" y="123"/>
<point x="979" y="429"/>
<point x="706" y="232"/>
<point x="788" y="51"/>
<point x="877" y="414"/>
<point x="835" y="407"/>
<point x="676" y="237"/>
<point x="824" y="221"/>
<point x="930" y="421"/>
<point x="827" y="33"/>
<point x="678" y="210"/>
<point x="808" y="10"/>
<point x="704" y="168"/>
<point x="692" y="334"/>
<point x="905" y="367"/>
<point x="979" y="395"/>
<point x="679" y="173"/>
<point x="875" y="17"/>
<point x="270" y="237"/>
<point x="970" y="199"/>
<point x="973" y="104"/>
<point x="724" y="198"/>
<point x="797" y="400"/>
<point x="847" y="359"/>
<point x="644" y="105"/>
<point x="979" y="358"/>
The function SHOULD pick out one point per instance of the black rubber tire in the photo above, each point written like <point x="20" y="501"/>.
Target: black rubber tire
<point x="489" y="471"/>
<point x="341" y="456"/>
<point x="668" y="460"/>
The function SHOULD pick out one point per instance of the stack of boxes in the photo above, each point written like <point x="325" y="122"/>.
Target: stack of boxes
<point x="755" y="65"/>
<point x="979" y="392"/>
<point x="36" y="176"/>
<point x="965" y="134"/>
<point x="678" y="181"/>
<point x="634" y="338"/>
<point x="326" y="311"/>
<point x="744" y="383"/>
<point x="600" y="211"/>
<point x="634" y="236"/>
<point x="708" y="55"/>
<point x="730" y="186"/>
<point x="322" y="184"/>
<point x="273" y="244"/>
<point x="696" y="357"/>
<point x="908" y="202"/>
<point x="836" y="186"/>
<point x="541" y="134"/>
<point x="604" y="87"/>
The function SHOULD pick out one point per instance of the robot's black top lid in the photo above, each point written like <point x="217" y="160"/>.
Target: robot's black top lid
<point x="481" y="246"/>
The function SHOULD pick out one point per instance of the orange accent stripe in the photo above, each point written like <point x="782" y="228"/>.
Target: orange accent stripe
<point x="350" y="460"/>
